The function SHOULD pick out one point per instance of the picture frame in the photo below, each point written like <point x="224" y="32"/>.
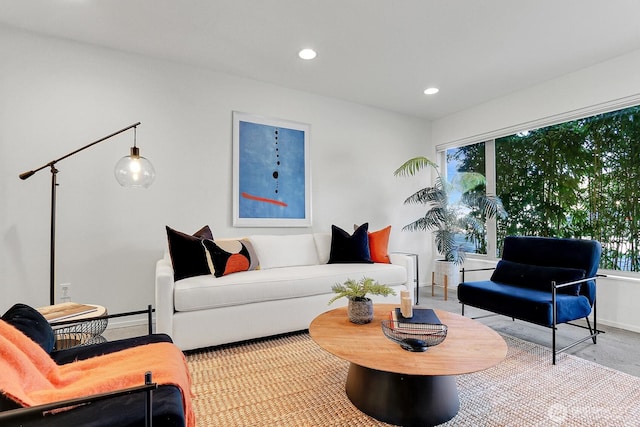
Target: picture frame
<point x="271" y="172"/>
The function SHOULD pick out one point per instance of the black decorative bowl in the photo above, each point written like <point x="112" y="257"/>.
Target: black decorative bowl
<point x="414" y="336"/>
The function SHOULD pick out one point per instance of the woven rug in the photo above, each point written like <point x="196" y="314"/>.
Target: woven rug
<point x="290" y="381"/>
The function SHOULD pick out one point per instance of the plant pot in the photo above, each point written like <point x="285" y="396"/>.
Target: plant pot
<point x="451" y="270"/>
<point x="360" y="311"/>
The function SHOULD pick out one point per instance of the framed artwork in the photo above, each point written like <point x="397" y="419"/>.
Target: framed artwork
<point x="271" y="176"/>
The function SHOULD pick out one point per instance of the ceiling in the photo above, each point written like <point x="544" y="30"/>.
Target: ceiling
<point x="381" y="53"/>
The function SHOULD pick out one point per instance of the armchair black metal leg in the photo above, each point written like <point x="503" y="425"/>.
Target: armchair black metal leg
<point x="150" y="319"/>
<point x="595" y="320"/>
<point x="553" y="345"/>
<point x="554" y="315"/>
<point x="591" y="330"/>
<point x="463" y="309"/>
<point x="148" y="421"/>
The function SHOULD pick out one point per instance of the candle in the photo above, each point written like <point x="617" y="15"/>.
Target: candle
<point x="406" y="307"/>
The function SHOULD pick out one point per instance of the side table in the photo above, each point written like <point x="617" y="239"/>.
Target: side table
<point x="76" y="324"/>
<point x="434" y="284"/>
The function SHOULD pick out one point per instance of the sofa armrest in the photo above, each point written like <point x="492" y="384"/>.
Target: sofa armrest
<point x="555" y="285"/>
<point x="21" y="415"/>
<point x="164" y="297"/>
<point x="410" y="263"/>
<point x="82" y="352"/>
<point x="463" y="270"/>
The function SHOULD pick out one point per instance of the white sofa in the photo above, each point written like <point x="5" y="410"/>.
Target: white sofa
<point x="291" y="287"/>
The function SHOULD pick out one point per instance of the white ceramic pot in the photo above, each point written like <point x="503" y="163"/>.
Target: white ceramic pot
<point x="449" y="269"/>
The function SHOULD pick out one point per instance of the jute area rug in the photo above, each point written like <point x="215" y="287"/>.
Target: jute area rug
<point x="290" y="381"/>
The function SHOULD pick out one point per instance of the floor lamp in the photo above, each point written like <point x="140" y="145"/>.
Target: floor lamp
<point x="130" y="171"/>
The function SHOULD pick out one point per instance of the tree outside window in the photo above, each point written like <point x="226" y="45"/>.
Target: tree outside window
<point x="577" y="179"/>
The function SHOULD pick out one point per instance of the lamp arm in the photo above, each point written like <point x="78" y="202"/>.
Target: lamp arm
<point x="28" y="174"/>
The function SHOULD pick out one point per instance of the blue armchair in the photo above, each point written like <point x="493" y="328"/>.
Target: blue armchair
<point x="546" y="281"/>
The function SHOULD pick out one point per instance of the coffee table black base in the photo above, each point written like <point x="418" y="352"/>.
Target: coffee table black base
<point x="406" y="400"/>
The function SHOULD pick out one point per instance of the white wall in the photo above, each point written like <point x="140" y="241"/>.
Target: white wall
<point x="56" y="96"/>
<point x="612" y="83"/>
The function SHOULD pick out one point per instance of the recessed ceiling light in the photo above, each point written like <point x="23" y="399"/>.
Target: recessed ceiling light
<point x="431" y="91"/>
<point x="307" y="54"/>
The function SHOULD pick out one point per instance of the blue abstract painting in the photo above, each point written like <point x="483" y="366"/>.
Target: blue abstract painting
<point x="271" y="172"/>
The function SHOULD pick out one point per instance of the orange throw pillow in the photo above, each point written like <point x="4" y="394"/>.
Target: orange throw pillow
<point x="378" y="244"/>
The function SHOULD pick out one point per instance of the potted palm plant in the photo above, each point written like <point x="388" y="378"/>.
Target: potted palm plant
<point x="360" y="308"/>
<point x="449" y="220"/>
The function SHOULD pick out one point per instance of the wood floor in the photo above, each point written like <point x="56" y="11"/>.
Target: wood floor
<point x="616" y="348"/>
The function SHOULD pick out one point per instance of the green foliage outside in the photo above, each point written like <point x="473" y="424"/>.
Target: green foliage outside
<point x="451" y="218"/>
<point x="577" y="179"/>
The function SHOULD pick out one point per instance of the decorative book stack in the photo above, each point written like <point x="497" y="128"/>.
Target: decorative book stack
<point x="420" y="315"/>
<point x="416" y="333"/>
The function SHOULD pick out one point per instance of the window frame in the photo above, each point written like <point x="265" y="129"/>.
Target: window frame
<point x="488" y="138"/>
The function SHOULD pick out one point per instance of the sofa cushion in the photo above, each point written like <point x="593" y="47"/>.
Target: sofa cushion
<point x="379" y="244"/>
<point x="537" y="277"/>
<point x="346" y="248"/>
<point x="323" y="246"/>
<point x="204" y="292"/>
<point x="532" y="305"/>
<point x="285" y="251"/>
<point x="187" y="252"/>
<point x="551" y="251"/>
<point x="30" y="322"/>
<point x="222" y="262"/>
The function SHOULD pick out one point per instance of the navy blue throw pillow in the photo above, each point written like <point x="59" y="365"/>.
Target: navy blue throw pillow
<point x="347" y="248"/>
<point x="30" y="322"/>
<point x="187" y="253"/>
<point x="537" y="277"/>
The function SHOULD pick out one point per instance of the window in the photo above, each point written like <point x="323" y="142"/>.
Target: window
<point x="576" y="179"/>
<point x="471" y="159"/>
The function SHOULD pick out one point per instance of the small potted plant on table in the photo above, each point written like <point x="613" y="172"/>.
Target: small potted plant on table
<point x="360" y="308"/>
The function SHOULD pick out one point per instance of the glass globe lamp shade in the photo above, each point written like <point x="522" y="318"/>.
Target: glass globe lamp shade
<point x="134" y="170"/>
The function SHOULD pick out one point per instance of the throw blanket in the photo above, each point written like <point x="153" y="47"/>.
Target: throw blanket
<point x="30" y="377"/>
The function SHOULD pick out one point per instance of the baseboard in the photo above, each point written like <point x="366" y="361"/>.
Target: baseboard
<point x="121" y="322"/>
<point x="619" y="325"/>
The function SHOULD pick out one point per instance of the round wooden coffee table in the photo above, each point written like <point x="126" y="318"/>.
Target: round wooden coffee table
<point x="398" y="386"/>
